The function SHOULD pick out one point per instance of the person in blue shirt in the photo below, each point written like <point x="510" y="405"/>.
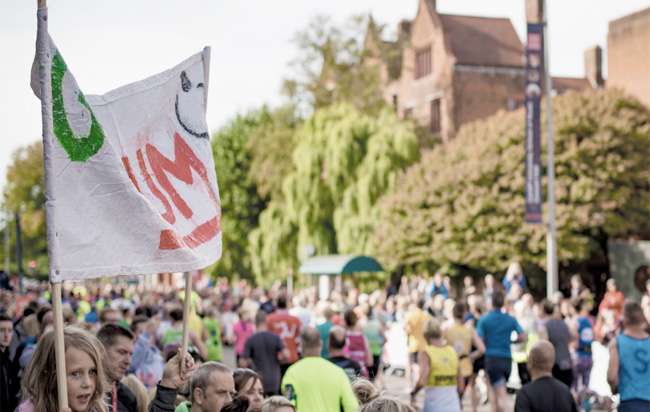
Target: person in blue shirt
<point x="437" y="287"/>
<point x="629" y="361"/>
<point x="495" y="328"/>
<point x="514" y="274"/>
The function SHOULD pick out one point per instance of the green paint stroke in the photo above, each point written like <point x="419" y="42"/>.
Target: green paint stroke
<point x="81" y="148"/>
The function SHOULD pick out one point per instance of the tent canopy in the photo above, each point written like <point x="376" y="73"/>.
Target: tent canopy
<point x="336" y="264"/>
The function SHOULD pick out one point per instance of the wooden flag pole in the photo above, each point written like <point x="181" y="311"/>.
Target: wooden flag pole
<point x="59" y="346"/>
<point x="46" y="112"/>
<point x="186" y="316"/>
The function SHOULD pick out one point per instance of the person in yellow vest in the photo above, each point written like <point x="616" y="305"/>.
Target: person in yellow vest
<point x="440" y="373"/>
<point x="195" y="323"/>
<point x="463" y="339"/>
<point x="213" y="329"/>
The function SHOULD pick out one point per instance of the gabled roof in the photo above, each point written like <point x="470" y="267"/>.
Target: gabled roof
<point x="482" y="41"/>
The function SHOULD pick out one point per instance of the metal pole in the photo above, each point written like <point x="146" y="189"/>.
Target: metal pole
<point x="19" y="253"/>
<point x="7" y="250"/>
<point x="551" y="238"/>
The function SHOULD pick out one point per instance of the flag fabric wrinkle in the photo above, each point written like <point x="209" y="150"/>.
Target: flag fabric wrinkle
<point x="134" y="187"/>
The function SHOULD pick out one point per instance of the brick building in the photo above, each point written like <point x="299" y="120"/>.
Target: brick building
<point x="628" y="61"/>
<point x="446" y="70"/>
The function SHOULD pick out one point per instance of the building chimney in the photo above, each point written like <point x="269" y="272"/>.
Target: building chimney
<point x="593" y="66"/>
<point x="403" y="30"/>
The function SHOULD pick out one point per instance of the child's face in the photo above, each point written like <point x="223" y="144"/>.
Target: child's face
<point x="81" y="377"/>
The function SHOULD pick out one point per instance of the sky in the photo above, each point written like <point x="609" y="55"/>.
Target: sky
<point x="112" y="43"/>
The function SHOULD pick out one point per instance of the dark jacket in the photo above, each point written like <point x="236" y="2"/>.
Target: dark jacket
<point x="164" y="401"/>
<point x="126" y="400"/>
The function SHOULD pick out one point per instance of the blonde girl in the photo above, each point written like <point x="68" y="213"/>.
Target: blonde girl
<point x="85" y="376"/>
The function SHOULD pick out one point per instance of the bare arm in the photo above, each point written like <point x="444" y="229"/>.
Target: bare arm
<point x="284" y="355"/>
<point x="612" y="370"/>
<point x="522" y="337"/>
<point x="369" y="358"/>
<point x="425" y="367"/>
<point x="198" y="343"/>
<point x="460" y="381"/>
<point x="478" y="344"/>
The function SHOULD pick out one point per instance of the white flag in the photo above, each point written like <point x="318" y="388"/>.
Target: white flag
<point x="134" y="187"/>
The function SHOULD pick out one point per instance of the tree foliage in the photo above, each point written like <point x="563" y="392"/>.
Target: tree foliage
<point x="344" y="161"/>
<point x="240" y="202"/>
<point x="463" y="203"/>
<point x="24" y="193"/>
<point x="329" y="69"/>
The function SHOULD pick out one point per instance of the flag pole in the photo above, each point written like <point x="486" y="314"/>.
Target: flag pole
<point x="44" y="59"/>
<point x="186" y="316"/>
<point x="551" y="236"/>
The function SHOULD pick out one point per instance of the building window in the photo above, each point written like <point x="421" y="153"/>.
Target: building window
<point x="423" y="63"/>
<point x="408" y="113"/>
<point x="435" y="116"/>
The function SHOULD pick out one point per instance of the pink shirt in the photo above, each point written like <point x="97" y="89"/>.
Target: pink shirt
<point x="242" y="330"/>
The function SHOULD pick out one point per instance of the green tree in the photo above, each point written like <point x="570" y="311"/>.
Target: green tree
<point x="462" y="205"/>
<point x="270" y="146"/>
<point x="240" y="202"/>
<point x="343" y="161"/>
<point x="24" y="193"/>
<point x="330" y="67"/>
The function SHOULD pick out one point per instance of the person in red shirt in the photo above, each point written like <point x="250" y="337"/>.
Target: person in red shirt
<point x="613" y="299"/>
<point x="287" y="327"/>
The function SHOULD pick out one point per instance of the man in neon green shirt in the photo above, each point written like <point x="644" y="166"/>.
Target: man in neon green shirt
<point x="314" y="384"/>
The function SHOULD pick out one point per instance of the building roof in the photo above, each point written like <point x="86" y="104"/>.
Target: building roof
<point x="570" y="83"/>
<point x="482" y="41"/>
<point x="335" y="264"/>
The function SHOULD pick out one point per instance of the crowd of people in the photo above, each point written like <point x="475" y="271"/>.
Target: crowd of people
<point x="296" y="352"/>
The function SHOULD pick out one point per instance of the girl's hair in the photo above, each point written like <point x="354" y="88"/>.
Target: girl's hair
<point x="431" y="329"/>
<point x="39" y="382"/>
<point x="371" y="399"/>
<point x="238" y="404"/>
<point x="243" y="375"/>
<point x="274" y="402"/>
<point x="139" y="390"/>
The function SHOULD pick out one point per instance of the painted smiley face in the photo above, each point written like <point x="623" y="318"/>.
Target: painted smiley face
<point x="190" y="107"/>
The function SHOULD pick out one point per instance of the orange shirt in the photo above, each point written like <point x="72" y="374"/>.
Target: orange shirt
<point x="287" y="327"/>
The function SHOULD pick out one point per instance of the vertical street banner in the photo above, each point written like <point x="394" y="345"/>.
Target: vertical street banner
<point x="533" y="92"/>
<point x="133" y="188"/>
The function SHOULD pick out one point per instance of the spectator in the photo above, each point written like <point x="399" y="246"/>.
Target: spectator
<point x="413" y="323"/>
<point x="287" y="327"/>
<point x="495" y="328"/>
<point x="147" y="361"/>
<point x="8" y="387"/>
<point x="242" y="330"/>
<point x="544" y="393"/>
<point x="629" y="371"/>
<point x="249" y="385"/>
<point x="85" y="388"/>
<point x="488" y="290"/>
<point x="211" y="387"/>
<point x="324" y="329"/>
<point x="357" y="345"/>
<point x="440" y="372"/>
<point x="108" y="315"/>
<point x="140" y="391"/>
<point x="372" y="399"/>
<point x="468" y="287"/>
<point x="336" y="343"/>
<point x="118" y="343"/>
<point x="277" y="404"/>
<point x="238" y="404"/>
<point x="173" y="336"/>
<point x="514" y="274"/>
<point x="45" y="321"/>
<point x="557" y="332"/>
<point x="613" y="299"/>
<point x="327" y="390"/>
<point x="263" y="352"/>
<point x="437" y="287"/>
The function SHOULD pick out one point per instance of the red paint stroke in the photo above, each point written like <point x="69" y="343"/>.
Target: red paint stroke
<point x="170" y="239"/>
<point x="127" y="166"/>
<point x="181" y="168"/>
<point x="169" y="213"/>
